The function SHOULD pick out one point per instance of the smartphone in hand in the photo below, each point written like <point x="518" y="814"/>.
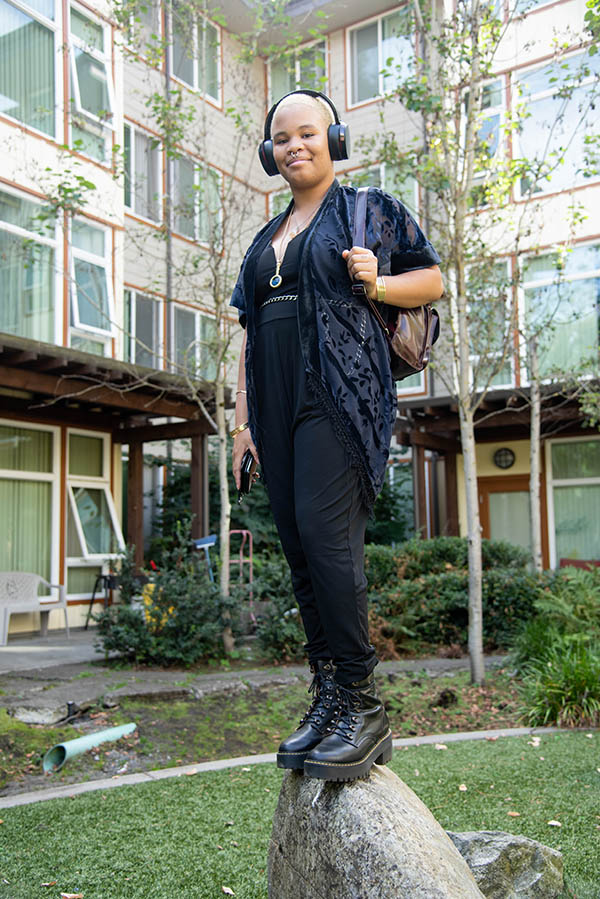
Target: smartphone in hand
<point x="247" y="473"/>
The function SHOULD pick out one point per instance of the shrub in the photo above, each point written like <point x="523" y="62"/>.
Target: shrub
<point x="279" y="626"/>
<point x="564" y="687"/>
<point x="182" y="620"/>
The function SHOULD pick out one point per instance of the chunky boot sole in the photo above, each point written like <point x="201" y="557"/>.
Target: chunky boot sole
<point x="380" y="754"/>
<point x="292" y="760"/>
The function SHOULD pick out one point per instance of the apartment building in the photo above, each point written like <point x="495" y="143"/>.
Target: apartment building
<point x="114" y="209"/>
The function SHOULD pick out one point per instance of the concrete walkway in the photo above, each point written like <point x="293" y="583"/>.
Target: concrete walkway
<point x="69" y="791"/>
<point x="30" y="651"/>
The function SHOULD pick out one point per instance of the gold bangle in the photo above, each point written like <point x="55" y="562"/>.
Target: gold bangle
<point x="380" y="289"/>
<point x="238" y="430"/>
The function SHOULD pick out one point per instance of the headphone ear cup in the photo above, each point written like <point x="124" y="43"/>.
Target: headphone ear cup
<point x="267" y="158"/>
<point x="338" y="137"/>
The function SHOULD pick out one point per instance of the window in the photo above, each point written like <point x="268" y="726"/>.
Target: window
<point x="490" y="328"/>
<point x="573" y="499"/>
<point x="559" y="123"/>
<point x="380" y="52"/>
<point x="562" y="303"/>
<point x="27" y="269"/>
<point x="92" y="96"/>
<point x="142" y="173"/>
<point x="27" y="75"/>
<point x="143" y="330"/>
<point x="306" y="67"/>
<point x="197" y="201"/>
<point x="93" y="532"/>
<point x="145" y="26"/>
<point x="194" y="336"/>
<point x="388" y="178"/>
<point x="91" y="294"/>
<point x="28" y="498"/>
<point x="196" y="51"/>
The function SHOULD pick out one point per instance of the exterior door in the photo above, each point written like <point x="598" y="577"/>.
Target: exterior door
<point x="504" y="511"/>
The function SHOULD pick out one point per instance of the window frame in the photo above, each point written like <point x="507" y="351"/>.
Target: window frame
<point x="552" y="482"/>
<point x="297" y="66"/>
<point x="198" y="314"/>
<point x="475" y="358"/>
<point x="198" y="167"/>
<point x="518" y="76"/>
<point x="101" y="56"/>
<point x="79" y="327"/>
<point x="131" y="297"/>
<point x="88" y="559"/>
<point x="54" y="242"/>
<point x="52" y="477"/>
<point x="131" y="173"/>
<point x="218" y="100"/>
<point x="379" y="17"/>
<point x="536" y="284"/>
<point x="53" y="25"/>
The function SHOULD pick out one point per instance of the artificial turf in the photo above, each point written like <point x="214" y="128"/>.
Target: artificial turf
<point x="191" y="836"/>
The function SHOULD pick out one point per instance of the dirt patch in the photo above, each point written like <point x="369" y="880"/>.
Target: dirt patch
<point x="185" y="730"/>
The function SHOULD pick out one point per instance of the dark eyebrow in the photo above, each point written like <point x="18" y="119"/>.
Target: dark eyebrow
<point x="300" y="128"/>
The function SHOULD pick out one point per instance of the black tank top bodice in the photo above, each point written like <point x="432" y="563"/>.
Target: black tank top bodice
<point x="288" y="271"/>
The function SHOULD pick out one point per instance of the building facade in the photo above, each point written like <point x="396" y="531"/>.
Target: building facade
<point x="129" y="189"/>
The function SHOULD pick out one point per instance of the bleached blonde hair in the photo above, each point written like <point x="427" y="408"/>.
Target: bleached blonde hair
<point x="322" y="107"/>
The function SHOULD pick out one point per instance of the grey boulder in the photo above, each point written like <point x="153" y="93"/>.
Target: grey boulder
<point x="367" y="839"/>
<point x="511" y="867"/>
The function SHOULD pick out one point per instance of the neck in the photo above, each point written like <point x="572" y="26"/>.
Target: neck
<point x="310" y="198"/>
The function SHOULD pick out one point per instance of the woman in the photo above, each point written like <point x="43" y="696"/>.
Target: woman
<point x="316" y="405"/>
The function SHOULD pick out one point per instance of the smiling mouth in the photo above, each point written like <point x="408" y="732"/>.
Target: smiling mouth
<point x="298" y="159"/>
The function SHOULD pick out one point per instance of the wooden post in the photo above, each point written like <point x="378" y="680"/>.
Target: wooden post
<point x="420" y="496"/>
<point x="199" y="486"/>
<point x="452" y="524"/>
<point x="135" y="501"/>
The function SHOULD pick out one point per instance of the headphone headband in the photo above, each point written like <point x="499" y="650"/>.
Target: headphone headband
<point x="310" y="93"/>
<point x="338" y="138"/>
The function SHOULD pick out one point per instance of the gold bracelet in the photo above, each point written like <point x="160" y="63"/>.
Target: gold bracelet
<point x="380" y="289"/>
<point x="238" y="430"/>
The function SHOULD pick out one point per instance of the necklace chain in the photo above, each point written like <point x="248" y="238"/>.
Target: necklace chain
<point x="277" y="279"/>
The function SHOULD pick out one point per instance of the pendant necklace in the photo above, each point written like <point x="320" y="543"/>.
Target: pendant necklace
<point x="277" y="279"/>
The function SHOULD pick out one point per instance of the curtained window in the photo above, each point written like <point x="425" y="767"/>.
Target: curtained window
<point x="142" y="173"/>
<point x="575" y="479"/>
<point x="27" y="273"/>
<point x="380" y="53"/>
<point x="27" y="52"/>
<point x="26" y="499"/>
<point x="91" y="293"/>
<point x="306" y="68"/>
<point x="196" y="51"/>
<point x="194" y="349"/>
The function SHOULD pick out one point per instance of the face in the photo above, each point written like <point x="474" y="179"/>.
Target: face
<point x="300" y="147"/>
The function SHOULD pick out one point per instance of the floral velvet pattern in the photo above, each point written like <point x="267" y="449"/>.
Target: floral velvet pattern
<point x="344" y="350"/>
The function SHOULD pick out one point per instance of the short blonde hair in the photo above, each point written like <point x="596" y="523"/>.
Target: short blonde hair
<point x="316" y="103"/>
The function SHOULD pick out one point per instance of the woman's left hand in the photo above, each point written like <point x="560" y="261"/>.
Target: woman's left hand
<point x="362" y="266"/>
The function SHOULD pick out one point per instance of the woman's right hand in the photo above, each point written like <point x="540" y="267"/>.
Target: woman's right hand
<point x="242" y="442"/>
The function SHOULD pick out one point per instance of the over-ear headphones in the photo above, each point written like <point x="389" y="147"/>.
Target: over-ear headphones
<point x="338" y="135"/>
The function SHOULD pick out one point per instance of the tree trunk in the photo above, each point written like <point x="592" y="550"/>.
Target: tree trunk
<point x="535" y="450"/>
<point x="225" y="517"/>
<point x="474" y="544"/>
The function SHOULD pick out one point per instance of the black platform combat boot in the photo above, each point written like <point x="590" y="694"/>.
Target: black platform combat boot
<point x="358" y="737"/>
<point x="313" y="726"/>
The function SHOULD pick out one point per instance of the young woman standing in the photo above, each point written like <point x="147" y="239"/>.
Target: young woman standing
<point x="316" y="404"/>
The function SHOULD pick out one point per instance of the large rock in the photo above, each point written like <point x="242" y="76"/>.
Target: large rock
<point x="368" y="839"/>
<point x="511" y="867"/>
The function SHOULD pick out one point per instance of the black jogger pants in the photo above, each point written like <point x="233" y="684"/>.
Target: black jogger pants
<point x="315" y="499"/>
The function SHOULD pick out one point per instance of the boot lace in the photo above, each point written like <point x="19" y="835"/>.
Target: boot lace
<point x="324" y="694"/>
<point x="346" y="719"/>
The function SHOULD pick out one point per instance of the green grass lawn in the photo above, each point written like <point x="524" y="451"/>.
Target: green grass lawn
<point x="191" y="836"/>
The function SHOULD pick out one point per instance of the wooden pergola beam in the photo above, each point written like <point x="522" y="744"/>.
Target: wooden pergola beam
<point x="174" y="431"/>
<point x="149" y="399"/>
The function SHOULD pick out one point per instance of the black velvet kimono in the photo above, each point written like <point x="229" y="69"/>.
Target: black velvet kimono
<point x="345" y="353"/>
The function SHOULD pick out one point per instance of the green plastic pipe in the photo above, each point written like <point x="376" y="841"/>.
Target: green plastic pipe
<point x="56" y="757"/>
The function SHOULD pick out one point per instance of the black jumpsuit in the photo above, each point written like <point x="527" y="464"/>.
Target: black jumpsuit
<point x="313" y="490"/>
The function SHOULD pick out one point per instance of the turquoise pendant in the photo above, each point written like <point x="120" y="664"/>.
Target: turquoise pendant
<point x="275" y="280"/>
